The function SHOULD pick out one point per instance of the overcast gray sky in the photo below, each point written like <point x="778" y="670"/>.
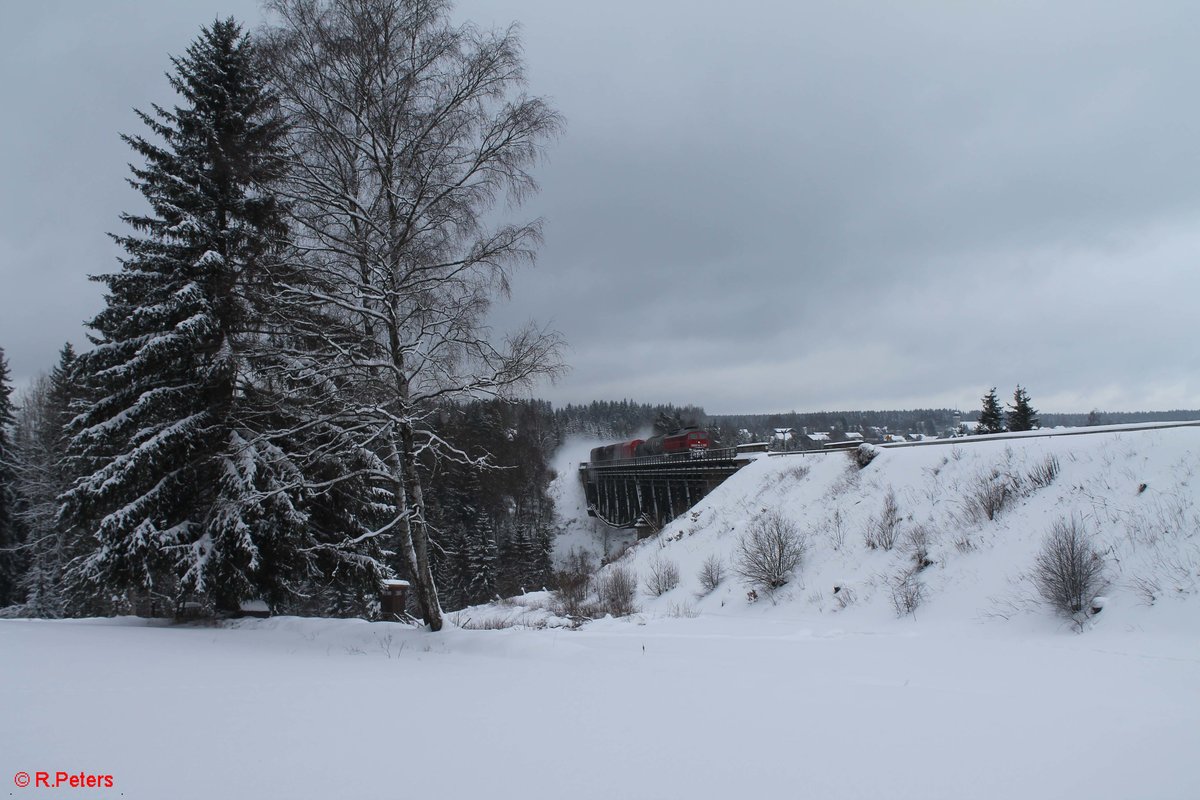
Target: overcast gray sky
<point x="787" y="205"/>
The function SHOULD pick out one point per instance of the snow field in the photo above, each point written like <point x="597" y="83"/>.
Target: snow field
<point x="710" y="707"/>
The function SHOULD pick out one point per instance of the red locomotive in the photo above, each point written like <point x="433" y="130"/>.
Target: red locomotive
<point x="685" y="440"/>
<point x="614" y="452"/>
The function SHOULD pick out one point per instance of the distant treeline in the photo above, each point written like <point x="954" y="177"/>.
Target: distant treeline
<point x="1114" y="417"/>
<point x="620" y="419"/>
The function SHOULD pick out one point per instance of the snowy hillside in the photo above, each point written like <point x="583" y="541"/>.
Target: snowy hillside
<point x="1134" y="492"/>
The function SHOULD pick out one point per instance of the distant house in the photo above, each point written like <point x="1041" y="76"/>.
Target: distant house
<point x="813" y="441"/>
<point x="783" y="439"/>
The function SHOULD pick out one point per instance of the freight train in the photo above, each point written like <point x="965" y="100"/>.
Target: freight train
<point x="686" y="440"/>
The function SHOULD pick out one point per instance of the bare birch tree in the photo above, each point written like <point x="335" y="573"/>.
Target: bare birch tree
<point x="406" y="132"/>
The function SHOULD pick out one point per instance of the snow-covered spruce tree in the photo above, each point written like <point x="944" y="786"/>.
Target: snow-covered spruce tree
<point x="449" y="559"/>
<point x="991" y="416"/>
<point x="512" y="494"/>
<point x="182" y="486"/>
<point x="40" y="440"/>
<point x="481" y="562"/>
<point x="406" y="130"/>
<point x="455" y="515"/>
<point x="515" y="556"/>
<point x="10" y="537"/>
<point x="525" y="556"/>
<point x="1021" y="414"/>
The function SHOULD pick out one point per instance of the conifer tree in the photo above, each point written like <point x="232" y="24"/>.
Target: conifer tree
<point x="455" y="511"/>
<point x="181" y="492"/>
<point x="514" y="553"/>
<point x="10" y="538"/>
<point x="1021" y="414"/>
<point x="450" y="568"/>
<point x="526" y="558"/>
<point x="62" y="393"/>
<point x="42" y="476"/>
<point x="543" y="564"/>
<point x="481" y="558"/>
<point x="991" y="418"/>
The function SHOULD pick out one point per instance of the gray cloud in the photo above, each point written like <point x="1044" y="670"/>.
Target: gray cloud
<point x="796" y="205"/>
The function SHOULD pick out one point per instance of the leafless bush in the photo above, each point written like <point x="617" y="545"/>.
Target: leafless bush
<point x="992" y="492"/>
<point x="1043" y="474"/>
<point x="570" y="594"/>
<point x="386" y="643"/>
<point x="770" y="551"/>
<point x="846" y="481"/>
<point x="1180" y="570"/>
<point x="712" y="572"/>
<point x="1162" y="519"/>
<point x="616" y="589"/>
<point x="837" y="530"/>
<point x="579" y="562"/>
<point x="571" y="585"/>
<point x="523" y="620"/>
<point x="882" y="532"/>
<point x="918" y="541"/>
<point x="1069" y="571"/>
<point x="907" y="593"/>
<point x="664" y="576"/>
<point x="797" y="472"/>
<point x="935" y="471"/>
<point x="1147" y="586"/>
<point x="683" y="611"/>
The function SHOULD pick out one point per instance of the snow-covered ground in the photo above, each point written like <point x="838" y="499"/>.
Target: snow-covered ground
<point x="983" y="693"/>
<point x="710" y="707"/>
